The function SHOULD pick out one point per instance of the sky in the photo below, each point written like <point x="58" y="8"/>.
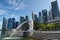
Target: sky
<point x="17" y="8"/>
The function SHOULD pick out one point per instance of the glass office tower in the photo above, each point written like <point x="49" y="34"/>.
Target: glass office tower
<point x="55" y="10"/>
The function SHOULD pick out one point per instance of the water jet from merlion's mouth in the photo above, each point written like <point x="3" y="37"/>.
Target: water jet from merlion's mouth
<point x="30" y="22"/>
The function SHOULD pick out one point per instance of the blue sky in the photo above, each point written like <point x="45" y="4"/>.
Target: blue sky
<point x="17" y="8"/>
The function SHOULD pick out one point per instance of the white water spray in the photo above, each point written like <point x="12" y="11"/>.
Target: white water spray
<point x="30" y="26"/>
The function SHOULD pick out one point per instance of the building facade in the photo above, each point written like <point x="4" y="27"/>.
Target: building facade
<point x="26" y="18"/>
<point x="16" y="24"/>
<point x="41" y="19"/>
<point x="4" y="25"/>
<point x="22" y="19"/>
<point x="44" y="14"/>
<point x="10" y="24"/>
<point x="13" y="22"/>
<point x="34" y="17"/>
<point x="55" y="10"/>
<point x="39" y="13"/>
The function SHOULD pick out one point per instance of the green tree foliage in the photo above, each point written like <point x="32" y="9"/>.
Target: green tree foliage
<point x="45" y="26"/>
<point x="36" y="25"/>
<point x="51" y="26"/>
<point x="57" y="26"/>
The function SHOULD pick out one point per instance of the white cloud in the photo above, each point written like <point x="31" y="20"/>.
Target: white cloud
<point x="11" y="16"/>
<point x="21" y="6"/>
<point x="52" y="0"/>
<point x="12" y="2"/>
<point x="2" y="12"/>
<point x="17" y="4"/>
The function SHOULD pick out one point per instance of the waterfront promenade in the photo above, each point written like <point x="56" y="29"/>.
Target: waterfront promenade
<point x="47" y="35"/>
<point x="41" y="35"/>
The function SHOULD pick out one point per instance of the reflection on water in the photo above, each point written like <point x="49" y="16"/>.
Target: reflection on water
<point x="17" y="39"/>
<point x="20" y="38"/>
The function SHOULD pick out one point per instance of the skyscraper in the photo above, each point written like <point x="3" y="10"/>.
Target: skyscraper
<point x="40" y="18"/>
<point x="16" y="24"/>
<point x="39" y="13"/>
<point x="4" y="25"/>
<point x="22" y="19"/>
<point x="50" y="15"/>
<point x="10" y="24"/>
<point x="55" y="10"/>
<point x="13" y="22"/>
<point x="26" y="24"/>
<point x="34" y="16"/>
<point x="26" y="18"/>
<point x="44" y="14"/>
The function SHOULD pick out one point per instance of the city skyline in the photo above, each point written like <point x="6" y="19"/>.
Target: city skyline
<point x="25" y="7"/>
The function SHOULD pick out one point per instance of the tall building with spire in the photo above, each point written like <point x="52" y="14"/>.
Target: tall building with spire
<point x="50" y="14"/>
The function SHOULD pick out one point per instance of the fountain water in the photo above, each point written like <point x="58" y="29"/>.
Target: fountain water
<point x="30" y="22"/>
<point x="17" y="28"/>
